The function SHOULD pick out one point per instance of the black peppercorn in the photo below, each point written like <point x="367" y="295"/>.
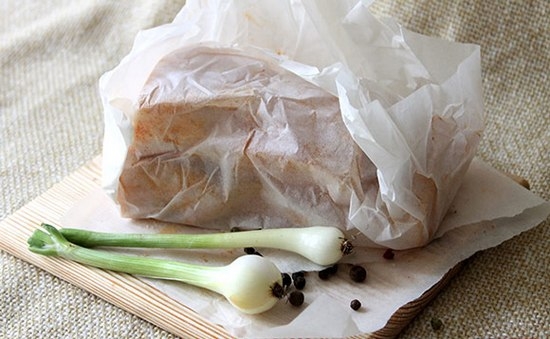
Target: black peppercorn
<point x="324" y="274"/>
<point x="388" y="254"/>
<point x="252" y="250"/>
<point x="286" y="280"/>
<point x="296" y="298"/>
<point x="298" y="274"/>
<point x="357" y="273"/>
<point x="249" y="250"/>
<point x="355" y="304"/>
<point x="277" y="291"/>
<point x="300" y="282"/>
<point x="333" y="269"/>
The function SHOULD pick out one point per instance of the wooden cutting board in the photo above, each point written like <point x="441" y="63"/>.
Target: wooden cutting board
<point x="126" y="291"/>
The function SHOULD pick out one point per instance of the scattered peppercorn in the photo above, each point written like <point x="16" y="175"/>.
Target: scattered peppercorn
<point x="324" y="274"/>
<point x="300" y="282"/>
<point x="355" y="304"/>
<point x="298" y="274"/>
<point x="357" y="273"/>
<point x="286" y="280"/>
<point x="436" y="323"/>
<point x="277" y="290"/>
<point x="296" y="298"/>
<point x="249" y="250"/>
<point x="388" y="254"/>
<point x="252" y="251"/>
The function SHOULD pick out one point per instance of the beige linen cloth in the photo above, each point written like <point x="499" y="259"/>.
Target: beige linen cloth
<point x="52" y="53"/>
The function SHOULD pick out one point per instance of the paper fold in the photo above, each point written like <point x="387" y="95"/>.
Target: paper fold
<point x="413" y="105"/>
<point x="485" y="220"/>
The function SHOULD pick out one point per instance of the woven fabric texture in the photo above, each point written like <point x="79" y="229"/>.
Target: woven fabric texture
<point x="52" y="53"/>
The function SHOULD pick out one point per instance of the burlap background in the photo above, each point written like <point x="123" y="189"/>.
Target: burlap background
<point x="52" y="53"/>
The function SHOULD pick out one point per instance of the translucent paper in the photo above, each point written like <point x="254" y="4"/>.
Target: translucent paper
<point x="489" y="209"/>
<point x="400" y="117"/>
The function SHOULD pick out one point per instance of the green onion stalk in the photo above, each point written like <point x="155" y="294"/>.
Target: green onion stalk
<point x="322" y="245"/>
<point x="250" y="283"/>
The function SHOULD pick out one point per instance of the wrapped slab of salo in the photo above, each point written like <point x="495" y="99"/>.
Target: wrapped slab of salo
<point x="216" y="122"/>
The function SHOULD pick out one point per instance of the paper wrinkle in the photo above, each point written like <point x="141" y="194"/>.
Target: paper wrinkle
<point x="411" y="103"/>
<point x="282" y="161"/>
<point x="390" y="284"/>
<point x="401" y="176"/>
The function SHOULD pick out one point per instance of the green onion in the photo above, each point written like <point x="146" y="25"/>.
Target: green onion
<point x="322" y="245"/>
<point x="251" y="283"/>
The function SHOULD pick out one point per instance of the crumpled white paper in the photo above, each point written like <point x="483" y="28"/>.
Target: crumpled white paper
<point x="489" y="209"/>
<point x="397" y="91"/>
<point x="413" y="104"/>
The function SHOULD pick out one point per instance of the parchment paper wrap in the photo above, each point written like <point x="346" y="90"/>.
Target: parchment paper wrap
<point x="489" y="209"/>
<point x="411" y="106"/>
